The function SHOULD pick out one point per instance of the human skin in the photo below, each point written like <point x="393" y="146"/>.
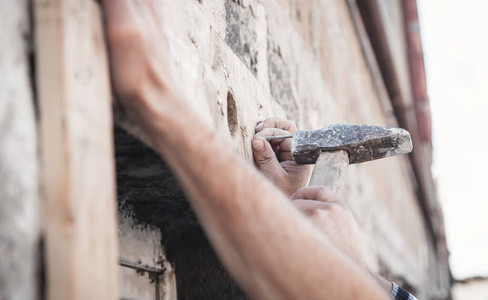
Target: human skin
<point x="275" y="160"/>
<point x="318" y="203"/>
<point x="271" y="249"/>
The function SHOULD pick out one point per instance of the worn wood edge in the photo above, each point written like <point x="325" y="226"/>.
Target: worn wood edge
<point x="69" y="275"/>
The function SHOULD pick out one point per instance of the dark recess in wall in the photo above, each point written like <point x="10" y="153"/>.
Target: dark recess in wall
<point x="241" y="38"/>
<point x="148" y="191"/>
<point x="232" y="121"/>
<point x="280" y="83"/>
<point x="241" y="34"/>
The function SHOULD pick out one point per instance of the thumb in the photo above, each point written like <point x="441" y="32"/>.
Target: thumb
<point x="265" y="157"/>
<point x="317" y="193"/>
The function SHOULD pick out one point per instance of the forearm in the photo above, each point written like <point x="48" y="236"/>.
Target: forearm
<point x="270" y="248"/>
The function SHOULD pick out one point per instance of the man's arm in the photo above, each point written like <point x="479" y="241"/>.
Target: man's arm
<point x="272" y="250"/>
<point x="318" y="203"/>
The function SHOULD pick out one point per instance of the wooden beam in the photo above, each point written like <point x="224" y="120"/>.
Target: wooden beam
<point x="77" y="152"/>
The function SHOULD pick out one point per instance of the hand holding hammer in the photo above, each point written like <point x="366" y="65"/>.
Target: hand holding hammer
<point x="334" y="147"/>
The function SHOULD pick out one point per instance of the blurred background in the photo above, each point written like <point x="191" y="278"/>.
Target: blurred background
<point x="455" y="40"/>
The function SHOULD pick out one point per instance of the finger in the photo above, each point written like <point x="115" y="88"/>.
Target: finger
<point x="276" y="122"/>
<point x="285" y="156"/>
<point x="272" y="132"/>
<point x="285" y="144"/>
<point x="265" y="157"/>
<point x="282" y="147"/>
<point x="306" y="206"/>
<point x="318" y="193"/>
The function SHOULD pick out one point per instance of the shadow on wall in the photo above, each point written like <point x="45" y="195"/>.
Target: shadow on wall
<point x="148" y="191"/>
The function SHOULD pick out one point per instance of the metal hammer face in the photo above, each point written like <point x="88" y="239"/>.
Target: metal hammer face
<point x="362" y="142"/>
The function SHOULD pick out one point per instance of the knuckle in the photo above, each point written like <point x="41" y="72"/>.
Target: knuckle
<point x="296" y="195"/>
<point x="264" y="159"/>
<point x="262" y="133"/>
<point x="335" y="207"/>
<point x="317" y="214"/>
<point x="339" y="208"/>
<point x="268" y="123"/>
<point x="267" y="132"/>
<point x="322" y="189"/>
<point x="325" y="194"/>
<point x="325" y="189"/>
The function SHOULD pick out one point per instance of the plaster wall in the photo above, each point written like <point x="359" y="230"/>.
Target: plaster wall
<point x="19" y="180"/>
<point x="241" y="61"/>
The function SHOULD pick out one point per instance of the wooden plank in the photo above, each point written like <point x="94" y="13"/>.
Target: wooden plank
<point x="76" y="150"/>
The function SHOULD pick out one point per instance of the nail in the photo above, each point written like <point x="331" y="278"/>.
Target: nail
<point x="257" y="144"/>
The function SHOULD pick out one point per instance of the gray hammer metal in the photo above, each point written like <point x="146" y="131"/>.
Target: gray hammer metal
<point x="333" y="148"/>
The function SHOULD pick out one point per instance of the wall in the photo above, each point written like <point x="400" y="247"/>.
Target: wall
<point x="240" y="61"/>
<point x="236" y="62"/>
<point x="19" y="180"/>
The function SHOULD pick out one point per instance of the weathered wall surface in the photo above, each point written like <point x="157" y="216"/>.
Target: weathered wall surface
<point x="240" y="61"/>
<point x="237" y="62"/>
<point x="19" y="182"/>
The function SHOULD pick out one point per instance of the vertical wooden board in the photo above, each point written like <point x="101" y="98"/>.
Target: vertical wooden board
<point x="77" y="150"/>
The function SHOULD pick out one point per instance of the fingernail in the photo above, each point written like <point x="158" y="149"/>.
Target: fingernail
<point x="257" y="144"/>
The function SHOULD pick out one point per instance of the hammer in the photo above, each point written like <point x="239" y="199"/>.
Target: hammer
<point x="333" y="148"/>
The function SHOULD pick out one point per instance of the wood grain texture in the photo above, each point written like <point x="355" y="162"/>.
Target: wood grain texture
<point x="330" y="170"/>
<point x="77" y="150"/>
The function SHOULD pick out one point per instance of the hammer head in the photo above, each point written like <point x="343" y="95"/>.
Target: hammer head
<point x="362" y="142"/>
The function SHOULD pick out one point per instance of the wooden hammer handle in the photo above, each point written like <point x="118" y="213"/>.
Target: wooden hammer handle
<point x="330" y="170"/>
